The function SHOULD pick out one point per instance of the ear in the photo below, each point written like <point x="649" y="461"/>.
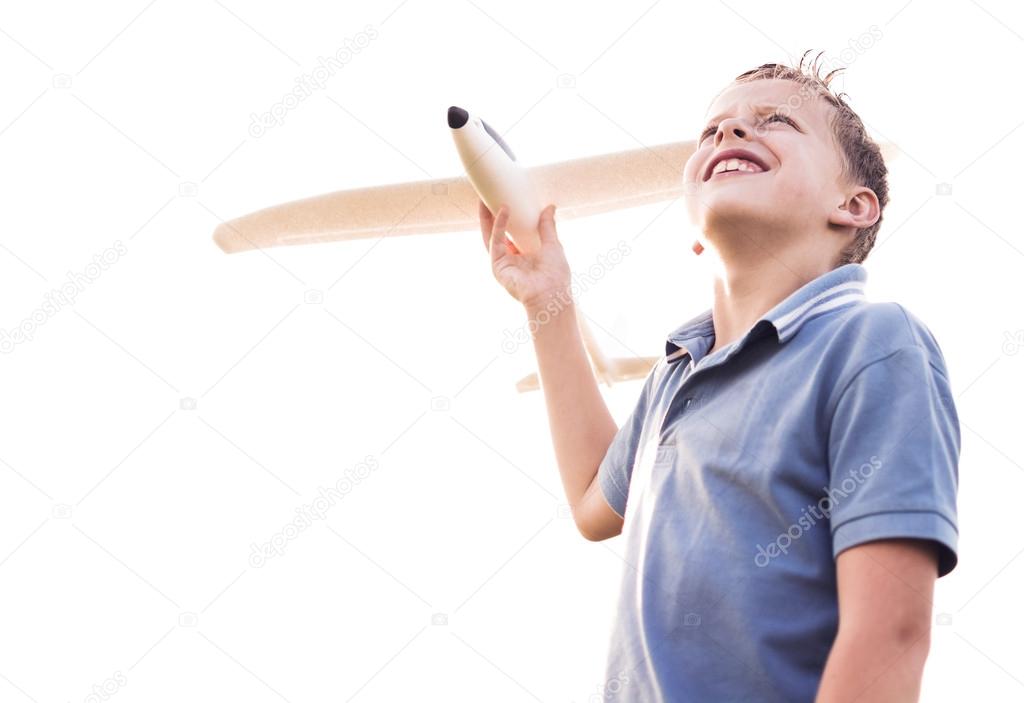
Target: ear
<point x="860" y="209"/>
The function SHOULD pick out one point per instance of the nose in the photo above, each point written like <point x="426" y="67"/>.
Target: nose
<point x="733" y="127"/>
<point x="457" y="117"/>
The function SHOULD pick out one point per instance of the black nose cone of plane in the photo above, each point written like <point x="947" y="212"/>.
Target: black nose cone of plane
<point x="457" y="117"/>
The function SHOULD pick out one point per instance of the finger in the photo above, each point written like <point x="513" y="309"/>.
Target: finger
<point x="546" y="225"/>
<point x="486" y="224"/>
<point x="497" y="244"/>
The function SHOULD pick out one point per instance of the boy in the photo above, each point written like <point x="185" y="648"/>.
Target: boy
<point x="786" y="485"/>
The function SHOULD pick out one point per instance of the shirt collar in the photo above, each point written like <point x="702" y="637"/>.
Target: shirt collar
<point x="838" y="288"/>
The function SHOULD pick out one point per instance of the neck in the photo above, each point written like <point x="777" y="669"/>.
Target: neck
<point x="746" y="290"/>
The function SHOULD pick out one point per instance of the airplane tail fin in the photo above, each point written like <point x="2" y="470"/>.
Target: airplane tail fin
<point x="620" y="369"/>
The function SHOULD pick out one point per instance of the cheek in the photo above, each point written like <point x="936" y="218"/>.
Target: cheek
<point x="802" y="179"/>
<point x="814" y="169"/>
<point x="693" y="165"/>
<point x="691" y="184"/>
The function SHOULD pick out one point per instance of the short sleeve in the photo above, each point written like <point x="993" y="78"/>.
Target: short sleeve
<point x="616" y="468"/>
<point x="894" y="448"/>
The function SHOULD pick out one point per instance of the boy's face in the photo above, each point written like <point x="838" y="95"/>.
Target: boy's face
<point x="788" y="197"/>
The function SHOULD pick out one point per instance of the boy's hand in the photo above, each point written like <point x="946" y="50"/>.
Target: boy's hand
<point x="531" y="279"/>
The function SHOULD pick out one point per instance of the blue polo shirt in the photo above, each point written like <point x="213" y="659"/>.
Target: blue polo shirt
<point x="741" y="475"/>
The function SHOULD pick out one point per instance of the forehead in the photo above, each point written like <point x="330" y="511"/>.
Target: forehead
<point x="801" y="102"/>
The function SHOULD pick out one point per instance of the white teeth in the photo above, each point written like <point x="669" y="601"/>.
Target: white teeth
<point x="736" y="165"/>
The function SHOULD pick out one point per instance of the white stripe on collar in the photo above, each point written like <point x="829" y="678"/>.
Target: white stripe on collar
<point x="791" y="324"/>
<point x="855" y="288"/>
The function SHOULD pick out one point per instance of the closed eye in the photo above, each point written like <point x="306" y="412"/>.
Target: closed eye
<point x="774" y="117"/>
<point x="781" y="118"/>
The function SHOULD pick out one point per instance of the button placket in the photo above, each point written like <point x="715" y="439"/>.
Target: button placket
<point x="681" y="404"/>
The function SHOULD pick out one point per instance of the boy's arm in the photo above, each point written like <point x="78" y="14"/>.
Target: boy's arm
<point x="582" y="428"/>
<point x="885" y="605"/>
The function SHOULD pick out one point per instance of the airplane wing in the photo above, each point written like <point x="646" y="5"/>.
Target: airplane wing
<point x="580" y="187"/>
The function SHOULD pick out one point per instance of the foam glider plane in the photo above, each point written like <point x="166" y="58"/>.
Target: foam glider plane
<point x="580" y="187"/>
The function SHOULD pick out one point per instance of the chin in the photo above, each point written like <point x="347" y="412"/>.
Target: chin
<point x="727" y="211"/>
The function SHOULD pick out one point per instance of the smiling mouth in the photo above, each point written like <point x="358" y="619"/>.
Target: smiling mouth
<point x="731" y="167"/>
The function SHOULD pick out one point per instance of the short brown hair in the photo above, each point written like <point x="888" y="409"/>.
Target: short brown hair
<point x="861" y="157"/>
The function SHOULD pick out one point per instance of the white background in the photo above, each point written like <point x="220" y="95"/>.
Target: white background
<point x="127" y="518"/>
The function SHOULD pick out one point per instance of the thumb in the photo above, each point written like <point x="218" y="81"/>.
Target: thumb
<point x="546" y="225"/>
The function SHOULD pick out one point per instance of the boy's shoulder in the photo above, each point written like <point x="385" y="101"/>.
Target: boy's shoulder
<point x="871" y="331"/>
<point x="890" y="321"/>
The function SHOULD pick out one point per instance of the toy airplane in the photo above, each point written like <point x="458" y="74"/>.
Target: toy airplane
<point x="580" y="187"/>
